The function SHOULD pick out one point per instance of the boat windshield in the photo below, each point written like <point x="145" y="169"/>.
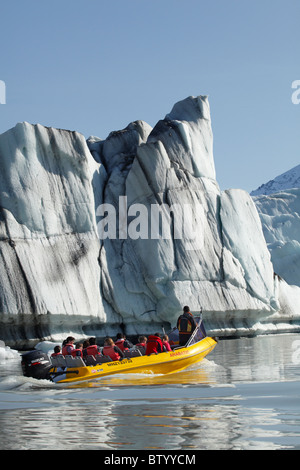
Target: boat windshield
<point x="200" y="333"/>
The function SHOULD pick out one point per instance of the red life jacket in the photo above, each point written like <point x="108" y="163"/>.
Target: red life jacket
<point x="167" y="345"/>
<point x="154" y="345"/>
<point x="141" y="347"/>
<point x="120" y="344"/>
<point x="92" y="350"/>
<point x="75" y="351"/>
<point x="65" y="348"/>
<point x="56" y="354"/>
<point x="109" y="351"/>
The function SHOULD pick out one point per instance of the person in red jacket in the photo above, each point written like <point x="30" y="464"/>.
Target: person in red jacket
<point x="141" y="345"/>
<point x="166" y="344"/>
<point x="68" y="346"/>
<point x="78" y="350"/>
<point x="122" y="342"/>
<point x="92" y="349"/>
<point x="154" y="344"/>
<point x="111" y="350"/>
<point x="57" y="351"/>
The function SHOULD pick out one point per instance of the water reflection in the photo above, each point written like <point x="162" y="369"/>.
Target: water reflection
<point x="108" y="426"/>
<point x="265" y="358"/>
<point x="113" y="426"/>
<point x="196" y="374"/>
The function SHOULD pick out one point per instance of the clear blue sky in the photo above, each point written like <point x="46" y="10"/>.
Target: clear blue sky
<point x="96" y="65"/>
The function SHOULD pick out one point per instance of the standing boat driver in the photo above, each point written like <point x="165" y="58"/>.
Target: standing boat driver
<point x="186" y="324"/>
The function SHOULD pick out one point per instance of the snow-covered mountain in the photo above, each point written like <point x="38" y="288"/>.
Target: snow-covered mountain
<point x="288" y="180"/>
<point x="280" y="218"/>
<point x="278" y="204"/>
<point x="121" y="233"/>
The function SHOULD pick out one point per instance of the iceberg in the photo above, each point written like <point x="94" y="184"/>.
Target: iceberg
<point x="278" y="205"/>
<point x="6" y="353"/>
<point x="280" y="217"/>
<point x="102" y="235"/>
<point x="49" y="247"/>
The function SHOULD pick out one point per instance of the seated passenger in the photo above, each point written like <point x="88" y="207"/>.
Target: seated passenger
<point x="111" y="350"/>
<point x="92" y="349"/>
<point x="85" y="345"/>
<point x="68" y="346"/>
<point x="57" y="351"/>
<point x="166" y="344"/>
<point x="154" y="344"/>
<point x="141" y="345"/>
<point x="78" y="350"/>
<point x="122" y="342"/>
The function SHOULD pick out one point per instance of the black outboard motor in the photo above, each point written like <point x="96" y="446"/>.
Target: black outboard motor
<point x="36" y="364"/>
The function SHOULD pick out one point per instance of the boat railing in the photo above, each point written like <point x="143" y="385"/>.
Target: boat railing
<point x="77" y="361"/>
<point x="72" y="362"/>
<point x="196" y="330"/>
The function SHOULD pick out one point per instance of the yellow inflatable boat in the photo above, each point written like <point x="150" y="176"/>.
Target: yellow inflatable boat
<point x="75" y="370"/>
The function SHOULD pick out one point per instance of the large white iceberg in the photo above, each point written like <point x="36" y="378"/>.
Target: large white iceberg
<point x="65" y="270"/>
<point x="49" y="247"/>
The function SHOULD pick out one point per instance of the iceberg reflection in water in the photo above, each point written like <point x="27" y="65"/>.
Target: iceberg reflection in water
<point x="245" y="396"/>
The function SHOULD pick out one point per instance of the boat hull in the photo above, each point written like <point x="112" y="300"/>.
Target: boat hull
<point x="163" y="363"/>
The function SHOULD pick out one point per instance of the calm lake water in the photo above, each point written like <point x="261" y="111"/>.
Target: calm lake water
<point x="245" y="395"/>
